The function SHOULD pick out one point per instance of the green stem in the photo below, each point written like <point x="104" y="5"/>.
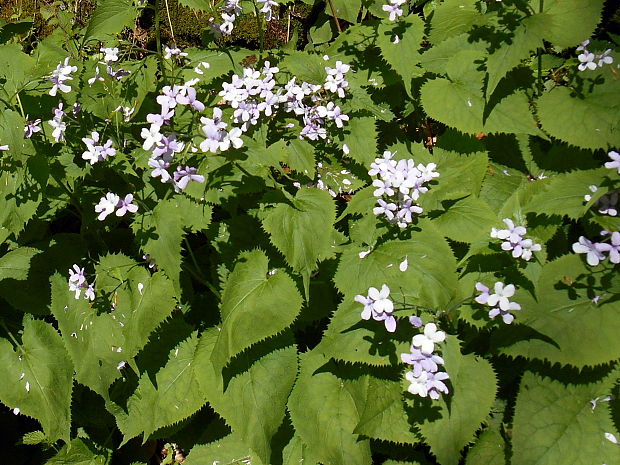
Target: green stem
<point x="261" y="32"/>
<point x="160" y="56"/>
<point x="539" y="56"/>
<point x="201" y="280"/>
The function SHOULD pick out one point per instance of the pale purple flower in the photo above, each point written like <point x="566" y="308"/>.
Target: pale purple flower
<point x="378" y="306"/>
<point x="393" y="8"/>
<point x="89" y="293"/>
<point x="96" y="77"/>
<point x="173" y="51"/>
<point x="615" y="161"/>
<point x="416" y="321"/>
<point x="106" y="205"/>
<point x="266" y="8"/>
<point x="32" y="128"/>
<point x="418" y="386"/>
<point x="160" y="169"/>
<point x="593" y="256"/>
<point x="125" y="206"/>
<point x="60" y="75"/>
<point x="421" y="361"/>
<point x="76" y="275"/>
<point x="613" y="249"/>
<point x="426" y="342"/>
<point x="435" y="384"/>
<point x="190" y="99"/>
<point x="182" y="176"/>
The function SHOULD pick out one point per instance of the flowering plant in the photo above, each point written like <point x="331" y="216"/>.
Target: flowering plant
<point x="395" y="239"/>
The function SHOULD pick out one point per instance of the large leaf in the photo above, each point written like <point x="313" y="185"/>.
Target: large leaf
<point x="109" y="18"/>
<point x="77" y="452"/>
<point x="430" y="279"/>
<point x="303" y="231"/>
<point x="473" y="388"/>
<point x="551" y="417"/>
<point x="37" y="378"/>
<point x="231" y="450"/>
<point x="468" y="220"/>
<point x="360" y="137"/>
<point x="564" y="315"/>
<point x="254" y="401"/>
<point x="172" y="398"/>
<point x="255" y="305"/>
<point x="564" y="193"/>
<point x="324" y="415"/>
<point x="16" y="264"/>
<point x="453" y="17"/>
<point x="572" y="21"/>
<point x="594" y="113"/>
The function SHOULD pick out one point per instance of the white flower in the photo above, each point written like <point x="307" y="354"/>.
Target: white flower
<point x="586" y="246"/>
<point x="151" y="136"/>
<point x="111" y="54"/>
<point x="426" y="342"/>
<point x="418" y="386"/>
<point x="381" y="301"/>
<point x="501" y="296"/>
<point x="615" y="161"/>
<point x="106" y="205"/>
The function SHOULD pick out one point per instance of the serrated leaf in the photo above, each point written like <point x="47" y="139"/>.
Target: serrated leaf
<point x="551" y="417"/>
<point x="572" y="21"/>
<point x="231" y="450"/>
<point x="109" y="18"/>
<point x="409" y="30"/>
<point x="325" y="415"/>
<point x="437" y="58"/>
<point x="77" y="452"/>
<point x="16" y="263"/>
<point x="351" y="339"/>
<point x="562" y="314"/>
<point x="171" y="399"/>
<point x="34" y="437"/>
<point x="296" y="452"/>
<point x="468" y="220"/>
<point x="528" y="36"/>
<point x="594" y="114"/>
<point x="261" y="384"/>
<point x="457" y="105"/>
<point x="473" y="386"/>
<point x="564" y="193"/>
<point x="489" y="449"/>
<point x="255" y="306"/>
<point x="382" y="412"/>
<point x="345" y="9"/>
<point x="360" y="136"/>
<point x="304" y="231"/>
<point x="453" y="17"/>
<point x="430" y="279"/>
<point x="38" y="378"/>
<point x="301" y="157"/>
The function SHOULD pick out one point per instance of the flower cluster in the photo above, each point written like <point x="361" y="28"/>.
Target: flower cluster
<point x="512" y="238"/>
<point x="499" y="300"/>
<point x="96" y="153"/>
<point x="173" y="52"/>
<point x="57" y="123"/>
<point x="60" y="75"/>
<point x="399" y="186"/>
<point x="112" y="202"/>
<point x="110" y="55"/>
<point x="77" y="283"/>
<point x="163" y="147"/>
<point x="378" y="306"/>
<point x="256" y="93"/>
<point x="595" y="251"/>
<point x="31" y="128"/>
<point x="394" y="9"/>
<point x="591" y="61"/>
<point x="232" y="10"/>
<point x="425" y="378"/>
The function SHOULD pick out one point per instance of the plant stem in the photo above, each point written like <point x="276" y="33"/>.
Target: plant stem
<point x="333" y="8"/>
<point x="261" y="32"/>
<point x="160" y="56"/>
<point x="539" y="56"/>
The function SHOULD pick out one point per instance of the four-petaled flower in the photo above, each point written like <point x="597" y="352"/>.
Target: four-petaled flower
<point x="426" y="342"/>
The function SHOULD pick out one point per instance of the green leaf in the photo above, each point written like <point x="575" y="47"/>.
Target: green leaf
<point x="489" y="449"/>
<point x="437" y="58"/>
<point x="457" y="105"/>
<point x="301" y="157"/>
<point x="262" y="384"/>
<point x="563" y="194"/>
<point x="528" y="36"/>
<point x="410" y="31"/>
<point x="430" y="279"/>
<point x="303" y="232"/>
<point x="353" y="340"/>
<point x="562" y="313"/>
<point x="345" y="9"/>
<point x="109" y="18"/>
<point x="382" y="412"/>
<point x="231" y="450"/>
<point x="360" y="136"/>
<point x="324" y="414"/>
<point x="202" y="5"/>
<point x="297" y="452"/>
<point x="572" y="21"/>
<point x="468" y="220"/>
<point x="172" y="398"/>
<point x="552" y="417"/>
<point x="453" y="17"/>
<point x="77" y="452"/>
<point x="16" y="264"/>
<point x="473" y="387"/>
<point x="38" y="378"/>
<point x="594" y="114"/>
<point x="255" y="306"/>
<point x="305" y="66"/>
